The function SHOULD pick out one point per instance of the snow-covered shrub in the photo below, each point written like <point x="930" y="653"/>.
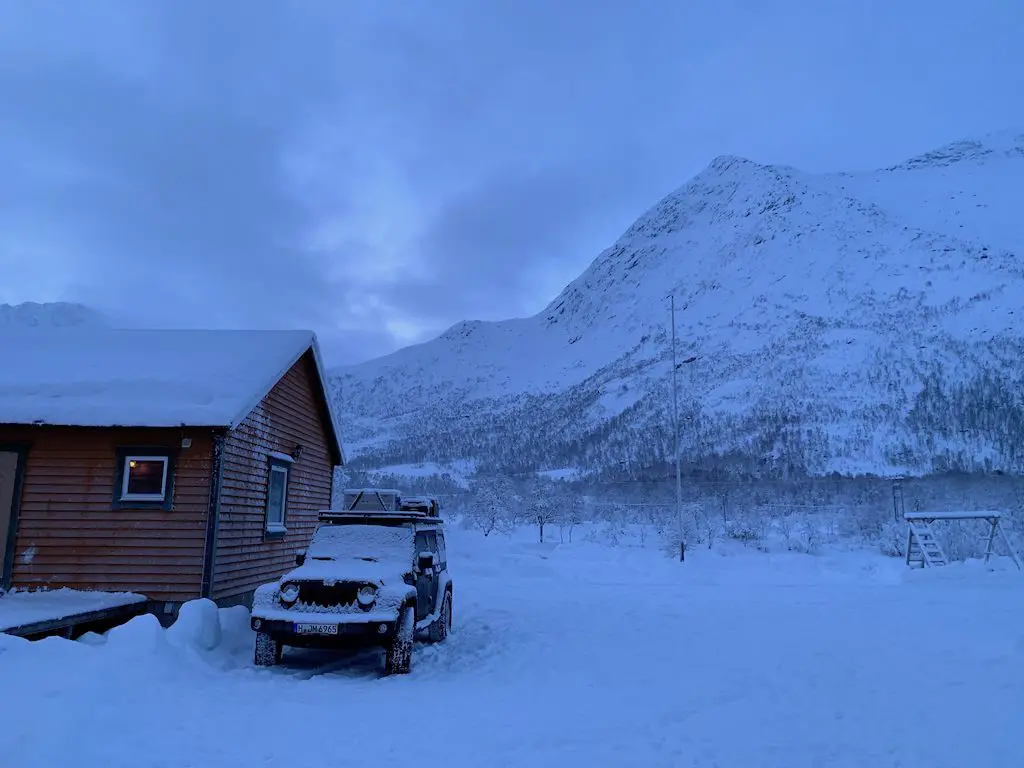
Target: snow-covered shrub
<point x="892" y="539"/>
<point x="748" y="527"/>
<point x="807" y="534"/>
<point x="139" y="635"/>
<point x="867" y="524"/>
<point x="786" y="526"/>
<point x="197" y="626"/>
<point x="609" y="532"/>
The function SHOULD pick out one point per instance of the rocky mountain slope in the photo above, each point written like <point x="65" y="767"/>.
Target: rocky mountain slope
<point x="865" y="322"/>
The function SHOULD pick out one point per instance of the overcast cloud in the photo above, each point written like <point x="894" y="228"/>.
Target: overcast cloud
<point x="378" y="171"/>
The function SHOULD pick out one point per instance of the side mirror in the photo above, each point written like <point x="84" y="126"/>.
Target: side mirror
<point x="425" y="560"/>
<point x="300" y="557"/>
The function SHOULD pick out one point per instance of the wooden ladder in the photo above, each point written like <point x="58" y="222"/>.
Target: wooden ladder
<point x="922" y="546"/>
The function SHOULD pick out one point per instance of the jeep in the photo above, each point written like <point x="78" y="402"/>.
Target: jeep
<point x="374" y="574"/>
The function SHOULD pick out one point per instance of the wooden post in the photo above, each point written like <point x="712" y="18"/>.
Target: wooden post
<point x="994" y="521"/>
<point x="1009" y="547"/>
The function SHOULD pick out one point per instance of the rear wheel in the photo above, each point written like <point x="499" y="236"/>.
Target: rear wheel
<point x="268" y="650"/>
<point x="440" y="629"/>
<point x="398" y="660"/>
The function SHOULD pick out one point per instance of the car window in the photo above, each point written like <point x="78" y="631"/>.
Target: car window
<point x="426" y="541"/>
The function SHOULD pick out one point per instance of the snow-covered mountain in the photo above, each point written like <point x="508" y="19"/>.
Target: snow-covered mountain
<point x="864" y="322"/>
<point x="56" y="314"/>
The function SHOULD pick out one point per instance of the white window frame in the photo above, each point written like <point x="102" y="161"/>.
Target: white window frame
<point x="126" y="476"/>
<point x="271" y="525"/>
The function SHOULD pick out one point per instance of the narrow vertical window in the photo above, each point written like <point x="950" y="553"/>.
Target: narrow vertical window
<point x="277" y="497"/>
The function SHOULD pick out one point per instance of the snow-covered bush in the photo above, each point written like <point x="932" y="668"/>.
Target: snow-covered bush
<point x="892" y="539"/>
<point x="197" y="625"/>
<point x="807" y="534"/>
<point x="748" y="527"/>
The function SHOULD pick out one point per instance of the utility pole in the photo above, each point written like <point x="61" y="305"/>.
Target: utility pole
<point x="675" y="433"/>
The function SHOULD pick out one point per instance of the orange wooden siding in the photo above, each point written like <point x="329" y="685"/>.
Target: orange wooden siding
<point x="292" y="413"/>
<point x="68" y="533"/>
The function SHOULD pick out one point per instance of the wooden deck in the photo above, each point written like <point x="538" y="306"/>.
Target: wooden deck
<point x="66" y="613"/>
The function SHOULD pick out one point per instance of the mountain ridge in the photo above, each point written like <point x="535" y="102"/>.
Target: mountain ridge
<point x="833" y="316"/>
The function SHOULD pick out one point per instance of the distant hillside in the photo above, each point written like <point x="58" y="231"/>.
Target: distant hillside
<point x="864" y="322"/>
<point x="58" y="314"/>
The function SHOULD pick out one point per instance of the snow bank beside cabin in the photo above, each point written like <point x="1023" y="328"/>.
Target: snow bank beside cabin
<point x="202" y="636"/>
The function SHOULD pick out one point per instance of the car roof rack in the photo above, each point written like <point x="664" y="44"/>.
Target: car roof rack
<point x="425" y="504"/>
<point x="383" y="505"/>
<point x="365" y="516"/>
<point x="375" y="499"/>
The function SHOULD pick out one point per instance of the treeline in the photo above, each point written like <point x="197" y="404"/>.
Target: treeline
<point x="801" y="514"/>
<point x="959" y="410"/>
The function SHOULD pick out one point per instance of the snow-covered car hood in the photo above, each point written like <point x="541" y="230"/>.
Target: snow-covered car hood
<point x="357" y="552"/>
<point x="350" y="569"/>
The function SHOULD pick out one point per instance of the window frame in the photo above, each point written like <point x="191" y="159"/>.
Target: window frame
<point x="442" y="548"/>
<point x="274" y="529"/>
<point x="124" y="500"/>
<point x="430" y="539"/>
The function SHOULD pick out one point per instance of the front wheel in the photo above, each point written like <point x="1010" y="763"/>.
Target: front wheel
<point x="268" y="650"/>
<point x="398" y="660"/>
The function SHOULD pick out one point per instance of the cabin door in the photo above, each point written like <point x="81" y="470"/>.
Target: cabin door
<point x="10" y="467"/>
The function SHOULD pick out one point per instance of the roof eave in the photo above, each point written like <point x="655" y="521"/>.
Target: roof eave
<point x="333" y="423"/>
<point x="337" y="452"/>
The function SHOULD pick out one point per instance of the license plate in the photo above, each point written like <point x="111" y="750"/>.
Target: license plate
<point x="316" y="629"/>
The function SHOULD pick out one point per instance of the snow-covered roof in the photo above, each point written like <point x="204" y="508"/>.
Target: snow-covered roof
<point x="99" y="377"/>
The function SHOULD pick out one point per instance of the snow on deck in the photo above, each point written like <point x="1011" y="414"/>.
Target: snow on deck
<point x="19" y="609"/>
<point x="974" y="515"/>
<point x="100" y="377"/>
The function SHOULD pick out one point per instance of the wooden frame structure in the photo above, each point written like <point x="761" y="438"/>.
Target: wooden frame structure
<point x="923" y="548"/>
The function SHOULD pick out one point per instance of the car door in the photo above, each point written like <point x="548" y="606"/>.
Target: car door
<point x="426" y="579"/>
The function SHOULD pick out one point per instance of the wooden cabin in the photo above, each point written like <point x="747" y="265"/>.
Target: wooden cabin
<point x="173" y="464"/>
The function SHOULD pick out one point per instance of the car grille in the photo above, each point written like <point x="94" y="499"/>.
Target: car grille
<point x="327" y="596"/>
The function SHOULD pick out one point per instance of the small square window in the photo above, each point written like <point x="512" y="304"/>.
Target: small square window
<point x="277" y="498"/>
<point x="144" y="478"/>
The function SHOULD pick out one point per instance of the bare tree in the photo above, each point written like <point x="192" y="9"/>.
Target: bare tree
<point x="572" y="514"/>
<point x="492" y="505"/>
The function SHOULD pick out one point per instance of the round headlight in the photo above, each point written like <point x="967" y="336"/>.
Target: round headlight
<point x="367" y="595"/>
<point x="289" y="593"/>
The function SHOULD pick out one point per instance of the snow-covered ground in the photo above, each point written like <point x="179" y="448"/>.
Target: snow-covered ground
<point x="580" y="654"/>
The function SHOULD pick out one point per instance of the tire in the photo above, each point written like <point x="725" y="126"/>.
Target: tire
<point x="440" y="629"/>
<point x="398" y="659"/>
<point x="268" y="650"/>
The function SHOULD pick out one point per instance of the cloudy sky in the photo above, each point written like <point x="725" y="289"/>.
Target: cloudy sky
<point x="378" y="170"/>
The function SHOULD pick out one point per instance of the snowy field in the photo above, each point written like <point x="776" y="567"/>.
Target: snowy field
<point x="578" y="655"/>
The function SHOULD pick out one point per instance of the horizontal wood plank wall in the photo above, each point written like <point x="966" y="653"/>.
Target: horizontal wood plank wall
<point x="290" y="414"/>
<point x="70" y="536"/>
